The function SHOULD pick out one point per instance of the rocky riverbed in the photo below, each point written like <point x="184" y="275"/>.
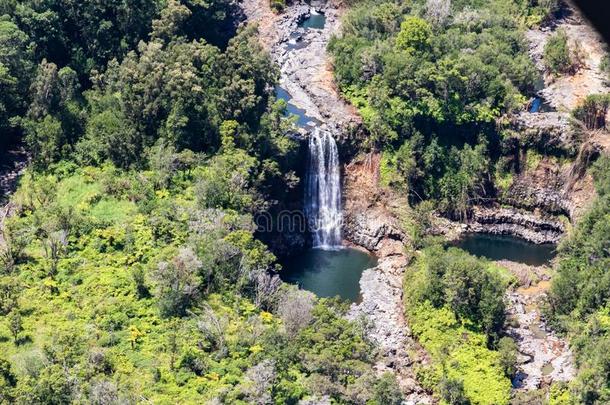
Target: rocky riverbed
<point x="12" y="165"/>
<point x="544" y="357"/>
<point x="567" y="91"/>
<point x="371" y="222"/>
<point x="300" y="52"/>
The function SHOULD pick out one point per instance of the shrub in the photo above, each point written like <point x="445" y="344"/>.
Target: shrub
<point x="508" y="356"/>
<point x="278" y="5"/>
<point x="592" y="111"/>
<point x="452" y="392"/>
<point x="557" y="54"/>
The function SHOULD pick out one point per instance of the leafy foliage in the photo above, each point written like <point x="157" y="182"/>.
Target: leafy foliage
<point x="557" y="55"/>
<point x="455" y="307"/>
<point x="432" y="85"/>
<point x="153" y="286"/>
<point x="579" y="299"/>
<point x="592" y="111"/>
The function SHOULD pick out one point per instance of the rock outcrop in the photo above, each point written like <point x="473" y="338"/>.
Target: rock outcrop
<point x="549" y="131"/>
<point x="529" y="226"/>
<point x="12" y="165"/>
<point x="510" y="221"/>
<point x="371" y="222"/>
<point x="567" y="91"/>
<point x="370" y="228"/>
<point x="382" y="311"/>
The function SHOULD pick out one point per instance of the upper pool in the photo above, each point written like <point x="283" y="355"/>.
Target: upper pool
<point x="303" y="119"/>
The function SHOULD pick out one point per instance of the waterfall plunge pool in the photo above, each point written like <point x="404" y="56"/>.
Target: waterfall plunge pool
<point x="328" y="273"/>
<point x="501" y="247"/>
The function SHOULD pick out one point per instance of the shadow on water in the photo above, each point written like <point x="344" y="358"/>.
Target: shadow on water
<point x="500" y="247"/>
<point x="328" y="273"/>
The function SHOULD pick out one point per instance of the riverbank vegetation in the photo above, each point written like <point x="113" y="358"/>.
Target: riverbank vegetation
<point x="579" y="302"/>
<point x="454" y="304"/>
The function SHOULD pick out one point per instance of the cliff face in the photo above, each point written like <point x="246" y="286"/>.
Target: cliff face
<point x="371" y="221"/>
<point x="559" y="186"/>
<point x="509" y="221"/>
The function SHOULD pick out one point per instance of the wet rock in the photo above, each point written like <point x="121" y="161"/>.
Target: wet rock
<point x="543" y="356"/>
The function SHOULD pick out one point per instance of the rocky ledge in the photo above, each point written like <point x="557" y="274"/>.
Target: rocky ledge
<point x="504" y="221"/>
<point x="371" y="224"/>
<point x="510" y="221"/>
<point x="548" y="131"/>
<point x="370" y="228"/>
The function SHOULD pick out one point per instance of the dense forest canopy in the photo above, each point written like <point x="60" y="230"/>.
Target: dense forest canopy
<point x="431" y="79"/>
<point x="130" y="269"/>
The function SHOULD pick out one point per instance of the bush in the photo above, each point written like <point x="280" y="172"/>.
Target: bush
<point x="557" y="54"/>
<point x="278" y="5"/>
<point x="461" y="282"/>
<point x="592" y="111"/>
<point x="508" y="355"/>
<point x="452" y="392"/>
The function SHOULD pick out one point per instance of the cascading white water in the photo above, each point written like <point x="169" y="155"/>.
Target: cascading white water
<point x="323" y="191"/>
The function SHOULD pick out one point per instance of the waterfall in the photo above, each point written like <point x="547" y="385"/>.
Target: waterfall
<point x="323" y="191"/>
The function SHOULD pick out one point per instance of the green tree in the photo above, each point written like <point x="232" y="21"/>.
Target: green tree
<point x="178" y="283"/>
<point x="52" y="386"/>
<point x="452" y="392"/>
<point x="45" y="139"/>
<point x="8" y="382"/>
<point x="15" y="324"/>
<point x="557" y="54"/>
<point x="15" y="75"/>
<point x="414" y="35"/>
<point x="387" y="391"/>
<point x="592" y="111"/>
<point x="508" y="350"/>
